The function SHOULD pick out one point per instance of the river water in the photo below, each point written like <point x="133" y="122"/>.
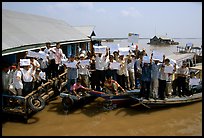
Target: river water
<point x="92" y="120"/>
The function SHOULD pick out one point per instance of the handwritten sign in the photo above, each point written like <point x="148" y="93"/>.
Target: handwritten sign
<point x="24" y="62"/>
<point x="115" y="65"/>
<point x="70" y="64"/>
<point x="84" y="62"/>
<point x="114" y="48"/>
<point x="124" y="51"/>
<point x="33" y="54"/>
<point x="100" y="49"/>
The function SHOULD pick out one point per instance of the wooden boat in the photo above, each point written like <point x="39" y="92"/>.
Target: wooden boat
<point x="174" y="101"/>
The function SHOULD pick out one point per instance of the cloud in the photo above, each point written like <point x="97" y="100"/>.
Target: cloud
<point x="131" y="12"/>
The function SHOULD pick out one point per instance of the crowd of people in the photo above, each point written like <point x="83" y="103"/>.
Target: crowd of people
<point x="136" y="70"/>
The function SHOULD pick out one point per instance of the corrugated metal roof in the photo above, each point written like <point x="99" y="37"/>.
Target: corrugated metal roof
<point x="86" y="30"/>
<point x="20" y="29"/>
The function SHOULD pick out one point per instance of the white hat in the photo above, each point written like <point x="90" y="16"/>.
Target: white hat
<point x="81" y="55"/>
<point x="24" y="62"/>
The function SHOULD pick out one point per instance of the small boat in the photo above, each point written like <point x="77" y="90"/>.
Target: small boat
<point x="174" y="101"/>
<point x="111" y="101"/>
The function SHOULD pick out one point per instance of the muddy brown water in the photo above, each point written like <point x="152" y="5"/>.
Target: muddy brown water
<point x="93" y="120"/>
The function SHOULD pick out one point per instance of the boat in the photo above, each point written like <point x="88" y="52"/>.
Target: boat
<point x="175" y="100"/>
<point x="162" y="41"/>
<point x="190" y="48"/>
<point x="25" y="106"/>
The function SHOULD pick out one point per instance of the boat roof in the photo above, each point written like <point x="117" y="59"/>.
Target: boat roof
<point x="197" y="67"/>
<point x="179" y="58"/>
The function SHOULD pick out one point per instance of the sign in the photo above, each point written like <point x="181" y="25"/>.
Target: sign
<point x="157" y="55"/>
<point x="133" y="38"/>
<point x="24" y="62"/>
<point x="114" y="48"/>
<point x="84" y="62"/>
<point x="100" y="49"/>
<point x="146" y="59"/>
<point x="70" y="64"/>
<point x="32" y="54"/>
<point x="115" y="65"/>
<point x="124" y="51"/>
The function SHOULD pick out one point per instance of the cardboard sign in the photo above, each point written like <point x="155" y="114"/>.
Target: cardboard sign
<point x="146" y="59"/>
<point x="114" y="48"/>
<point x="157" y="55"/>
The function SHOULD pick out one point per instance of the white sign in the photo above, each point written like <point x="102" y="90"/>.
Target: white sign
<point x="33" y="54"/>
<point x="115" y="65"/>
<point x="124" y="51"/>
<point x="24" y="62"/>
<point x="157" y="55"/>
<point x="42" y="55"/>
<point x="168" y="69"/>
<point x="113" y="48"/>
<point x="133" y="38"/>
<point x="146" y="59"/>
<point x="84" y="62"/>
<point x="70" y="64"/>
<point x="100" y="49"/>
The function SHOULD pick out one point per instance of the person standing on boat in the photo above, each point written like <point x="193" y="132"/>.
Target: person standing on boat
<point x="100" y="69"/>
<point x="58" y="57"/>
<point x="111" y="71"/>
<point x="155" y="76"/>
<point x="182" y="73"/>
<point x="72" y="72"/>
<point x="83" y="71"/>
<point x="138" y="70"/>
<point x="146" y="78"/>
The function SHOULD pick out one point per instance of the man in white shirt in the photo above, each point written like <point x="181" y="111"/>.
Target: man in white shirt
<point x="100" y="69"/>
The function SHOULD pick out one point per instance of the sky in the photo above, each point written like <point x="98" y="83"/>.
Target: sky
<point x="117" y="19"/>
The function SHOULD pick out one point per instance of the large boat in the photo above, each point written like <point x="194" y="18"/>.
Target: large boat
<point x="162" y="41"/>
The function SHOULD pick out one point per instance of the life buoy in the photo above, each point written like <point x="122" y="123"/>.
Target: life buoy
<point x="36" y="103"/>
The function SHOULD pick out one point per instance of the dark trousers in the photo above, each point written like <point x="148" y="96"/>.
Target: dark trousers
<point x="123" y="81"/>
<point x="112" y="73"/>
<point x="162" y="87"/>
<point x="93" y="80"/>
<point x="145" y="89"/>
<point x="182" y="86"/>
<point x="27" y="88"/>
<point x="100" y="79"/>
<point x="51" y="69"/>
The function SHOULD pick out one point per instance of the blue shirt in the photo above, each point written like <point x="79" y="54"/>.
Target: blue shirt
<point x="146" y="73"/>
<point x="155" y="70"/>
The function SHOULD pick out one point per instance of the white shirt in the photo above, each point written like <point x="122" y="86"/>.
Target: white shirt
<point x="27" y="75"/>
<point x="18" y="84"/>
<point x="100" y="62"/>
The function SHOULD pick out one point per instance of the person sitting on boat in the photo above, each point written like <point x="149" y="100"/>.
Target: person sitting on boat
<point x="111" y="86"/>
<point x="194" y="83"/>
<point x="182" y="74"/>
<point x="78" y="89"/>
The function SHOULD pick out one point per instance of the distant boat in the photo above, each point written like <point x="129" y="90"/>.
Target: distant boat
<point x="162" y="41"/>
